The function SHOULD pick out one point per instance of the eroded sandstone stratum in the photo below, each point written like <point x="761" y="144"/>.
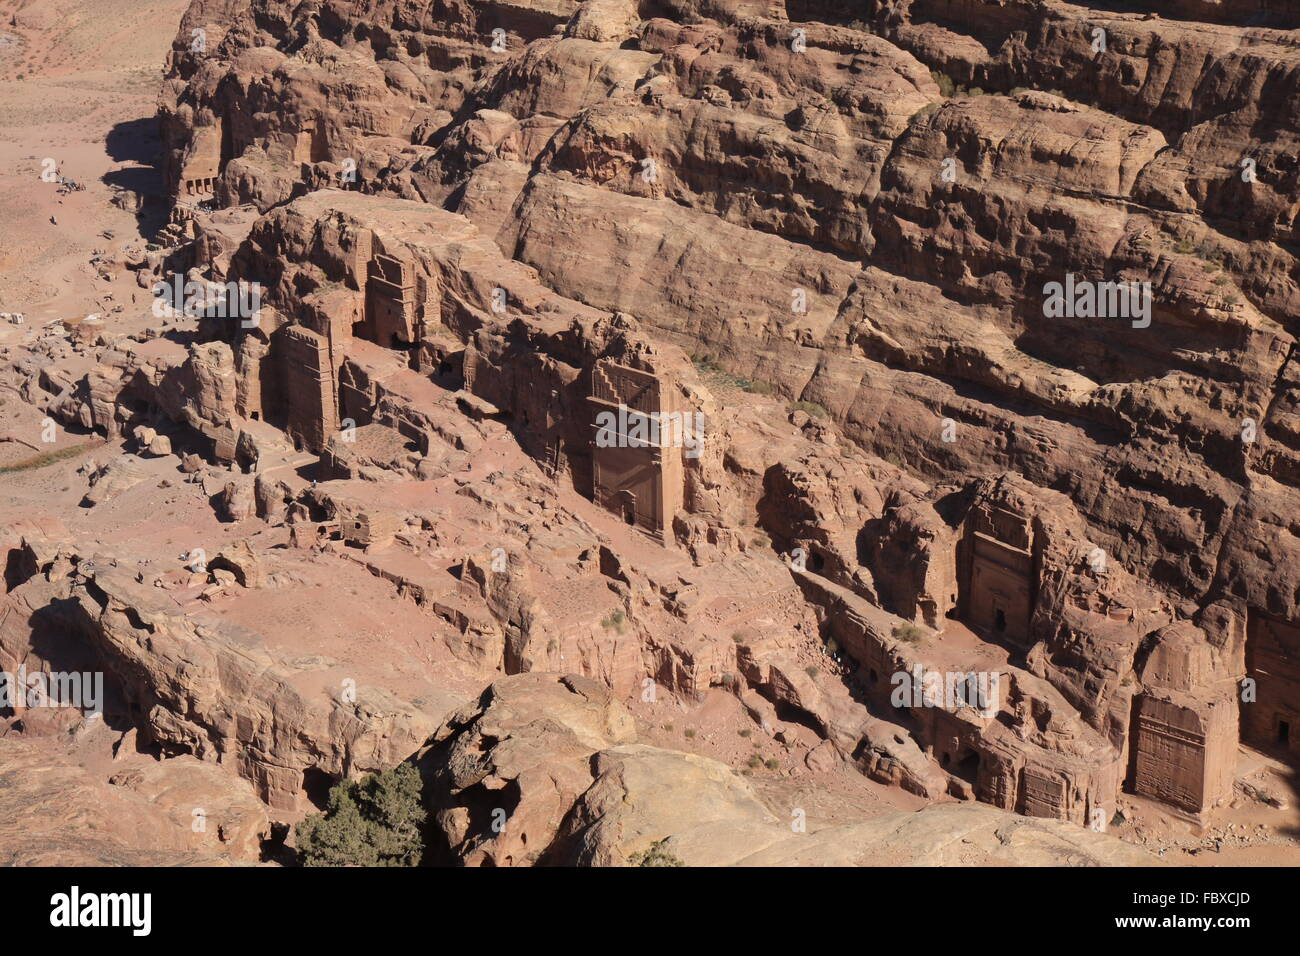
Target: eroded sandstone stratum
<point x="818" y="234"/>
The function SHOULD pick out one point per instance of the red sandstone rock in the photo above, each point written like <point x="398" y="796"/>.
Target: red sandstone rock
<point x="828" y="240"/>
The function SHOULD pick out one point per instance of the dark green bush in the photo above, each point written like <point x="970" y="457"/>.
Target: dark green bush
<point x="377" y="821"/>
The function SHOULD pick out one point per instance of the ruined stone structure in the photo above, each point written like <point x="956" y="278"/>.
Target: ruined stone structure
<point x="999" y="576"/>
<point x="1184" y="751"/>
<point x="312" y="386"/>
<point x="199" y="188"/>
<point x="309" y="144"/>
<point x="390" y="302"/>
<point x="1023" y="749"/>
<point x="1272" y="720"/>
<point x="199" y="167"/>
<point x="1000" y="595"/>
<point x="637" y="470"/>
<point x="1184" y="727"/>
<point x="365" y="528"/>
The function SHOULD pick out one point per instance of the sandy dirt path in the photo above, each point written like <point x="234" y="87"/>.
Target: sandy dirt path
<point x="78" y="83"/>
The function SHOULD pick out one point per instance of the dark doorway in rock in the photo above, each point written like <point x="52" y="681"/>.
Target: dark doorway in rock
<point x="316" y="786"/>
<point x="629" y="512"/>
<point x="1283" y="732"/>
<point x="1000" y="621"/>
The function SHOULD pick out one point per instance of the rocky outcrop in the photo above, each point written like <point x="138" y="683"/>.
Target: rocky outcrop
<point x="192" y="686"/>
<point x="546" y="769"/>
<point x="54" y="813"/>
<point x="831" y="235"/>
<point x="882" y="196"/>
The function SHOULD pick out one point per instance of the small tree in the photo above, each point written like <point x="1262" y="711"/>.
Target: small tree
<point x="377" y="821"/>
<point x="656" y="855"/>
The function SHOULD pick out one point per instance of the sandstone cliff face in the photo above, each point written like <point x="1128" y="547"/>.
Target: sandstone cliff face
<point x="181" y="812"/>
<point x="710" y="169"/>
<point x="831" y="235"/>
<point x="546" y="769"/>
<point x="54" y="814"/>
<point x="192" y="686"/>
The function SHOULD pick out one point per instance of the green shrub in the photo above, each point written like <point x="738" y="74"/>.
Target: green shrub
<point x="377" y="821"/>
<point x="947" y="86"/>
<point x="656" y="855"/>
<point x="718" y="377"/>
<point x="908" y="633"/>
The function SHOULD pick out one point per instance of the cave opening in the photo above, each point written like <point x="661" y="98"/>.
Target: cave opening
<point x="316" y="786"/>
